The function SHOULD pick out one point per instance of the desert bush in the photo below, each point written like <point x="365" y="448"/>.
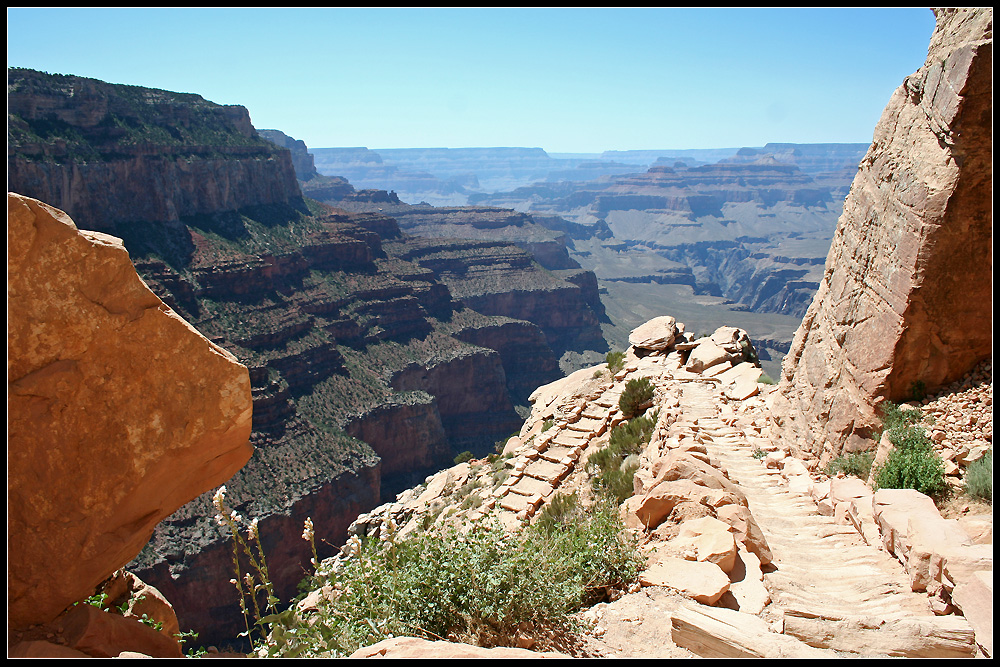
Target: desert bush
<point x="563" y="509"/>
<point x="895" y="416"/>
<point x="979" y="478"/>
<point x="858" y="464"/>
<point x="479" y="585"/>
<point x="913" y="463"/>
<point x="912" y="469"/>
<point x="918" y="390"/>
<point x="463" y="457"/>
<point x="613" y="466"/>
<point x="615" y="360"/>
<point x="638" y="392"/>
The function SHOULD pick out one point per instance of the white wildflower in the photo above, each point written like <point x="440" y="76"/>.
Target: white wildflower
<point x="252" y="530"/>
<point x="219" y="498"/>
<point x="307" y="530"/>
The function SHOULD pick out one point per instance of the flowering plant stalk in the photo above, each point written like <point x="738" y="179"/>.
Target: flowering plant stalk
<point x="247" y="584"/>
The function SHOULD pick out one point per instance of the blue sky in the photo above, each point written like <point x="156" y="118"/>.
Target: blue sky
<point x="567" y="80"/>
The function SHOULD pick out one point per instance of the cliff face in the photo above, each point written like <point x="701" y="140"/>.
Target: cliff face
<point x="906" y="294"/>
<point x="500" y="279"/>
<point x="114" y="155"/>
<point x="119" y="411"/>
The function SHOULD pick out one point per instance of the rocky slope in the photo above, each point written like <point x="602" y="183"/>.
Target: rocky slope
<point x="905" y="299"/>
<point x="734" y="528"/>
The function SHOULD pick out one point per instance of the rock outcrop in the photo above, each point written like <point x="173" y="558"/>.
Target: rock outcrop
<point x="119" y="411"/>
<point x="104" y="154"/>
<point x="906" y="296"/>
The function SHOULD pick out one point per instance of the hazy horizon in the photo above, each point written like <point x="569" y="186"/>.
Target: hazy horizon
<point x="564" y="80"/>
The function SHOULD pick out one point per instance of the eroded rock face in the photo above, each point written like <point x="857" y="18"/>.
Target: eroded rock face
<point x="119" y="411"/>
<point x="906" y="295"/>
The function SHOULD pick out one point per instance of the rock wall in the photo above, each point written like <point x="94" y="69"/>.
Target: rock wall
<point x="906" y="296"/>
<point x="112" y="155"/>
<point x="119" y="411"/>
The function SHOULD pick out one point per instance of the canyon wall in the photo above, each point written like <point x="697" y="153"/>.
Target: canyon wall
<point x="113" y="155"/>
<point x="906" y="296"/>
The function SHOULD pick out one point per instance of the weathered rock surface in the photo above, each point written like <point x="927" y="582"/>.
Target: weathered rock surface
<point x="657" y="334"/>
<point x="119" y="411"/>
<point x="892" y="310"/>
<point x="975" y="598"/>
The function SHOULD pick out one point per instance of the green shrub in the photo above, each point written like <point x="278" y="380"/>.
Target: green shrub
<point x="613" y="466"/>
<point x="562" y="510"/>
<point x="765" y="379"/>
<point x="979" y="478"/>
<point x="479" y="586"/>
<point x="913" y="463"/>
<point x="917" y="469"/>
<point x="463" y="457"/>
<point x="638" y="392"/>
<point x="615" y="360"/>
<point x="858" y="464"/>
<point x="895" y="416"/>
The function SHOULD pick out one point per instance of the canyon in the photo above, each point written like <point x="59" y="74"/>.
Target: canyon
<point x="377" y="339"/>
<point x="373" y="357"/>
<point x="722" y="235"/>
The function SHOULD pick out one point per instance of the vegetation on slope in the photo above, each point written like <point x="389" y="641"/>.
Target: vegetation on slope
<point x="913" y="463"/>
<point x="474" y="583"/>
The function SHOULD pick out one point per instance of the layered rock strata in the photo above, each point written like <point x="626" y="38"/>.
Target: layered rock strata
<point x="905" y="300"/>
<point x="119" y="412"/>
<point x="104" y="154"/>
<point x="360" y="376"/>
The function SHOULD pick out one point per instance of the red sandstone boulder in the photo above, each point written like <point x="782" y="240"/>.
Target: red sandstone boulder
<point x="104" y="635"/>
<point x="119" y="412"/>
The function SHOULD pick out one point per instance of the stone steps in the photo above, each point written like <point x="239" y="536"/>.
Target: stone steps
<point x="823" y="572"/>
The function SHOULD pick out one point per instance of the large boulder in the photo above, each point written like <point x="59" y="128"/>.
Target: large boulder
<point x="119" y="412"/>
<point x="701" y="581"/>
<point x="907" y="292"/>
<point x="656" y="334"/>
